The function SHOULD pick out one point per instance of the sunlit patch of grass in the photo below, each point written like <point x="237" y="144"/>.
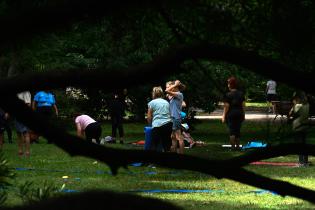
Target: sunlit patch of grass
<point x="256" y="104"/>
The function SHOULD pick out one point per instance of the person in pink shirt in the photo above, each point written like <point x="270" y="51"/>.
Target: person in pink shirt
<point x="88" y="127"/>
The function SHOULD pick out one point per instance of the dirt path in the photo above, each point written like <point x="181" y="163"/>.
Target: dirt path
<point x="249" y="115"/>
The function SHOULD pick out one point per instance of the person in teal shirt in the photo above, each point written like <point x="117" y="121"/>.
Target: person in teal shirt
<point x="159" y="117"/>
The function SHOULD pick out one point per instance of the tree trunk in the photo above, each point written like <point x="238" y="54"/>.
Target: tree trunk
<point x="13" y="65"/>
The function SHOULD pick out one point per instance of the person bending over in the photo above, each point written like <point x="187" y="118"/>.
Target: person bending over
<point x="88" y="127"/>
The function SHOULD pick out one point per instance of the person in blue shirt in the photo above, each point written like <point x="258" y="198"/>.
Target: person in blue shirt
<point x="44" y="102"/>
<point x="173" y="89"/>
<point x="159" y="117"/>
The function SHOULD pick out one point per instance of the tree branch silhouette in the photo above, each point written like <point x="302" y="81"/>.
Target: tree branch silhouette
<point x="171" y="59"/>
<point x="97" y="200"/>
<point x="27" y="19"/>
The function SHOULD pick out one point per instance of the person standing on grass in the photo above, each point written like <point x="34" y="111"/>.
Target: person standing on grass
<point x="45" y="103"/>
<point x="271" y="94"/>
<point x="300" y="123"/>
<point x="233" y="112"/>
<point x="22" y="131"/>
<point x="87" y="127"/>
<point x="117" y="112"/>
<point x="173" y="89"/>
<point x="159" y="117"/>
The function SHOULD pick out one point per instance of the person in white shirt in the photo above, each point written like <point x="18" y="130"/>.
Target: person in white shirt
<point x="271" y="94"/>
<point x="21" y="130"/>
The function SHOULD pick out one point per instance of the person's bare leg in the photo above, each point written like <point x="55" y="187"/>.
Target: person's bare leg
<point x="274" y="108"/>
<point x="180" y="139"/>
<point x="232" y="142"/>
<point x="174" y="142"/>
<point x="27" y="141"/>
<point x="269" y="105"/>
<point x="121" y="140"/>
<point x="20" y="143"/>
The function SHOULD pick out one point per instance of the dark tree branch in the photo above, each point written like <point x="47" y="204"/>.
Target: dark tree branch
<point x="97" y="200"/>
<point x="175" y="29"/>
<point x="161" y="66"/>
<point x="25" y="19"/>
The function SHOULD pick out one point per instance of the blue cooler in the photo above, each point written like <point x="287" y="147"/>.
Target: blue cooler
<point x="148" y="137"/>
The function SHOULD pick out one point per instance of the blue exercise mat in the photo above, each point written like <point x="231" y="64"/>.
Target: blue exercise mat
<point x="176" y="191"/>
<point x="136" y="164"/>
<point x="263" y="192"/>
<point x="254" y="144"/>
<point x="69" y="191"/>
<point x="259" y="192"/>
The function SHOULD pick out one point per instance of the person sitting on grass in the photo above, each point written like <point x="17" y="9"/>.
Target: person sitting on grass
<point x="88" y="127"/>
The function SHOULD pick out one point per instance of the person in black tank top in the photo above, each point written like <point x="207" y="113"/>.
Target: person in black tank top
<point x="233" y="112"/>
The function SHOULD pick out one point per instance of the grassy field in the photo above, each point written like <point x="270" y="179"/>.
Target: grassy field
<point x="49" y="164"/>
<point x="255" y="104"/>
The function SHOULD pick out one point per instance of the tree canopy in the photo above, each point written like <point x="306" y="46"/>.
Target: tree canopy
<point x="281" y="31"/>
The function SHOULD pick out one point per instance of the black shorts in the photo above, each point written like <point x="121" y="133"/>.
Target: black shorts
<point x="234" y="122"/>
<point x="93" y="131"/>
<point x="271" y="97"/>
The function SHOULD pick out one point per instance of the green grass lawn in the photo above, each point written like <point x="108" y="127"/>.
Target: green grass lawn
<point x="257" y="104"/>
<point x="50" y="164"/>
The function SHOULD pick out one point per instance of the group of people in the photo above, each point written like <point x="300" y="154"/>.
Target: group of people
<point x="43" y="102"/>
<point x="164" y="115"/>
<point x="234" y="115"/>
